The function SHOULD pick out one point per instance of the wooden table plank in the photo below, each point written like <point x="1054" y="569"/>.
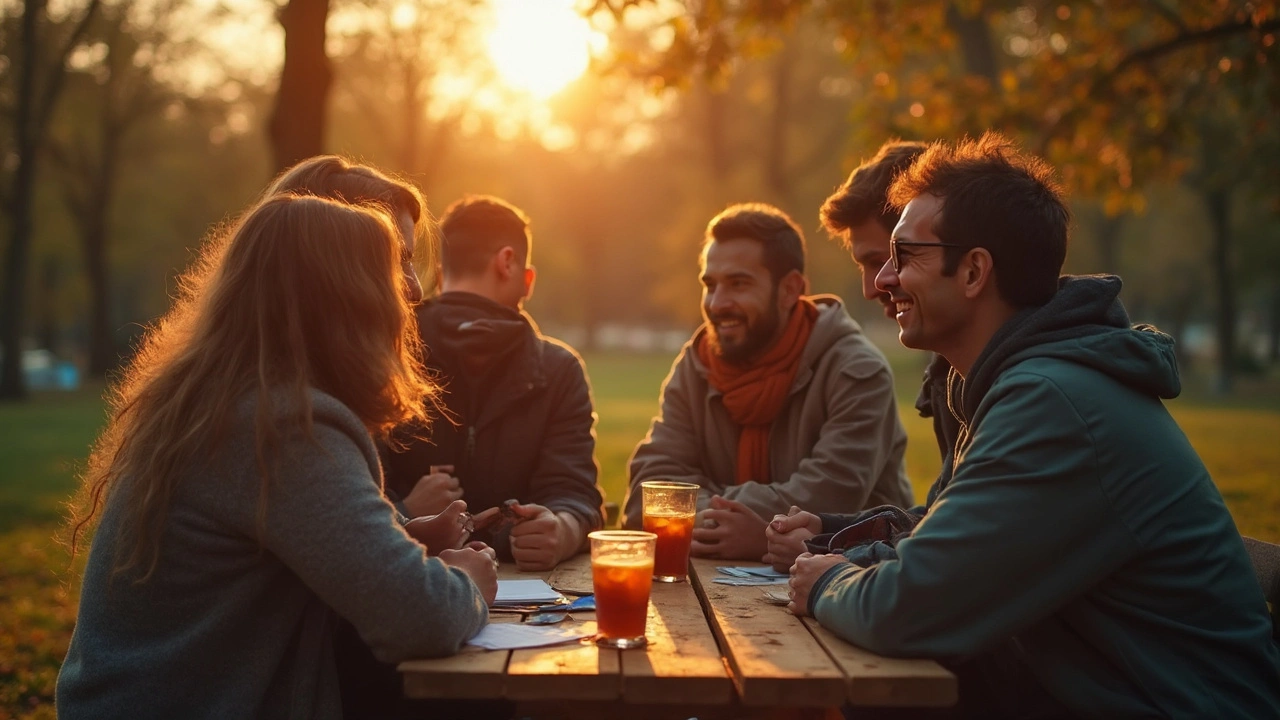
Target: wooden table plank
<point x="565" y="672"/>
<point x="472" y="673"/>
<point x="682" y="663"/>
<point x="774" y="659"/>
<point x="889" y="682"/>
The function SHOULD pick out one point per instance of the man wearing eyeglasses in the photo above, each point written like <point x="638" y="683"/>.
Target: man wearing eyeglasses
<point x="777" y="400"/>
<point x="1080" y="562"/>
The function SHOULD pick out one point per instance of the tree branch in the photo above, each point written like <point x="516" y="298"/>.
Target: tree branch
<point x="1187" y="39"/>
<point x="1148" y="55"/>
<point x="54" y="88"/>
<point x="1168" y="14"/>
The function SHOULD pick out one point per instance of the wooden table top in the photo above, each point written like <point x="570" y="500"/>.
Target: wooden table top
<point x="709" y="645"/>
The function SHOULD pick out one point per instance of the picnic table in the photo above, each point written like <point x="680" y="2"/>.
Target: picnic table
<point x="714" y="651"/>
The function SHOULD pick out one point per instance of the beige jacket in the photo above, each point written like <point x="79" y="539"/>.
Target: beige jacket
<point x="836" y="446"/>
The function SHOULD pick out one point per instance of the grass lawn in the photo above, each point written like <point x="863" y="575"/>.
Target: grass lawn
<point x="45" y="439"/>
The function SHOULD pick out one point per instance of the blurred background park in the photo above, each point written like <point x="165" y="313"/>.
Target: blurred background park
<point x="130" y="128"/>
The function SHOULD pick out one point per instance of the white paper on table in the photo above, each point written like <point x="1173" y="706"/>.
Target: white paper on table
<point x="526" y="592"/>
<point x="512" y="636"/>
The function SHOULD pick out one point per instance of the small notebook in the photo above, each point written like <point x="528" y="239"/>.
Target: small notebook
<point x="526" y="592"/>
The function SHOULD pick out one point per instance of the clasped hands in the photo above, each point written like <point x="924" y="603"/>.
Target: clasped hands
<point x="730" y="530"/>
<point x="539" y="540"/>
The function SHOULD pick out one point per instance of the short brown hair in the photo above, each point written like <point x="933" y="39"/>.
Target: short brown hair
<point x="477" y="226"/>
<point x="995" y="196"/>
<point x="864" y="195"/>
<point x="780" y="237"/>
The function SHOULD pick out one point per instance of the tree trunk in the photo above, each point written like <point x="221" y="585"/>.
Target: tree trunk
<point x="1273" y="341"/>
<point x="12" y="384"/>
<point x="974" y="35"/>
<point x="1218" y="202"/>
<point x="103" y="357"/>
<point x="410" y="149"/>
<point x="1109" y="242"/>
<point x="775" y="170"/>
<point x="298" y="120"/>
<point x="47" y="334"/>
<point x="30" y="119"/>
<point x="718" y="157"/>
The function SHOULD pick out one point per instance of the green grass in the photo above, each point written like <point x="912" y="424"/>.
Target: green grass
<point x="42" y="442"/>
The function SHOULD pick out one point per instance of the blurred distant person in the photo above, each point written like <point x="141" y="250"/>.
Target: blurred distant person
<point x="778" y="400"/>
<point x="520" y="419"/>
<point x="860" y="215"/>
<point x="236" y="488"/>
<point x="1080" y="562"/>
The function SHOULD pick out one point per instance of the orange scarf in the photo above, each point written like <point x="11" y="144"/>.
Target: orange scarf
<point x="754" y="395"/>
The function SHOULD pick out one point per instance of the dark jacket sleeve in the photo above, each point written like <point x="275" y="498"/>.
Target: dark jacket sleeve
<point x="565" y="478"/>
<point x="1023" y="528"/>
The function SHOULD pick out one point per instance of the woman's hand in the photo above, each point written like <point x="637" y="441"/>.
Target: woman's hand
<point x="448" y="530"/>
<point x="480" y="563"/>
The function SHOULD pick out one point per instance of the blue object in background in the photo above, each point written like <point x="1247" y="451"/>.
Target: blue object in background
<point x="44" y="371"/>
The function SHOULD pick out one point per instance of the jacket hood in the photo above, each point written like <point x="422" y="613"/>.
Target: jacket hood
<point x="459" y="325"/>
<point x="1083" y="323"/>
<point x="833" y="323"/>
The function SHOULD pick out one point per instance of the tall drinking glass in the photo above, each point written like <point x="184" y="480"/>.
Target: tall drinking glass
<point x="669" y="508"/>
<point x="622" y="575"/>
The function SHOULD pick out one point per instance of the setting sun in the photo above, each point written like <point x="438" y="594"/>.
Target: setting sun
<point x="540" y="46"/>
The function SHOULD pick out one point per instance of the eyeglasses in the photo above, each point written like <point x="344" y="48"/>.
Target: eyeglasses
<point x="895" y="244"/>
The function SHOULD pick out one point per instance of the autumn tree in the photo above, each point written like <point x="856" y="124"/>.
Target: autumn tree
<point x="38" y="67"/>
<point x="115" y="92"/>
<point x="1116" y="95"/>
<point x="297" y="124"/>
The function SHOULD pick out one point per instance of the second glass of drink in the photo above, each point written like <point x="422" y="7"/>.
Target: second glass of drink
<point x="669" y="509"/>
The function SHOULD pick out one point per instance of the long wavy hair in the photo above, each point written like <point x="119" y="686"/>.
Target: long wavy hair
<point x="300" y="293"/>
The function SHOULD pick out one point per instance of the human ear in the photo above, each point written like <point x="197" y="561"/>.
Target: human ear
<point x="505" y="262"/>
<point x="978" y="271"/>
<point x="530" y="277"/>
<point x="792" y="286"/>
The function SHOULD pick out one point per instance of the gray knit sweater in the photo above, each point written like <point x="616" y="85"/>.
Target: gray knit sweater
<point x="230" y="628"/>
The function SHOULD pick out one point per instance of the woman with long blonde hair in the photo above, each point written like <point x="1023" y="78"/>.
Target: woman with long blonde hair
<point x="237" y="491"/>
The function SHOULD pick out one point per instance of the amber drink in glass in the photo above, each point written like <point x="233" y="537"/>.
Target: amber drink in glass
<point x="622" y="575"/>
<point x="669" y="508"/>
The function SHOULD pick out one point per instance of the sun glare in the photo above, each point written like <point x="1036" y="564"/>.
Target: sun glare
<point x="539" y="46"/>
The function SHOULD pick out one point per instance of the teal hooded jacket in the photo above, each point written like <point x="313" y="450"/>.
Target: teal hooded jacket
<point x="1080" y="528"/>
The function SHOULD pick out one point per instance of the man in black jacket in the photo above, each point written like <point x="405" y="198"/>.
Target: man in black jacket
<point x="519" y="421"/>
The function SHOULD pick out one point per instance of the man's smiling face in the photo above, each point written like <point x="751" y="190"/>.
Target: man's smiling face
<point x="739" y="300"/>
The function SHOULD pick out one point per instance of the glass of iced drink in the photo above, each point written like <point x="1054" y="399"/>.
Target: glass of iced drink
<point x="622" y="575"/>
<point x="669" y="508"/>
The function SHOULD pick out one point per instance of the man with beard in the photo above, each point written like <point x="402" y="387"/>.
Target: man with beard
<point x="1080" y="561"/>
<point x="777" y="400"/>
<point x="519" y="421"/>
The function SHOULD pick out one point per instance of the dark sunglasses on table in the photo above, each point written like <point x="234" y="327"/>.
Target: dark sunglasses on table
<point x="895" y="244"/>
